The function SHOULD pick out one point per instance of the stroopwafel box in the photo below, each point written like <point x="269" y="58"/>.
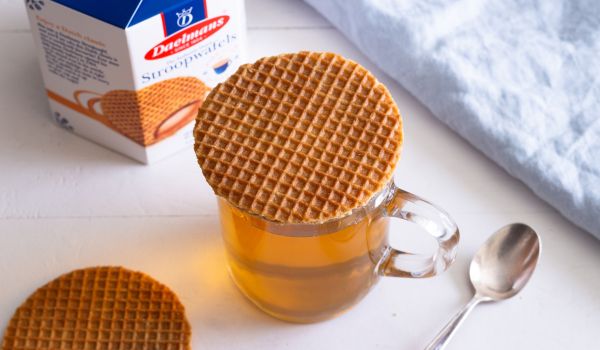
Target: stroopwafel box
<point x="131" y="74"/>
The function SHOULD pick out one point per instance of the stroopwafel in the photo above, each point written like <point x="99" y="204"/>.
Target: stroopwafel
<point x="156" y="111"/>
<point x="100" y="308"/>
<point x="299" y="138"/>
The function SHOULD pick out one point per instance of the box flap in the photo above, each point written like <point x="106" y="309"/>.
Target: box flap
<point x="126" y="13"/>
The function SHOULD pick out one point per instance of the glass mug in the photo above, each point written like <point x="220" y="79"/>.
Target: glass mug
<point x="311" y="272"/>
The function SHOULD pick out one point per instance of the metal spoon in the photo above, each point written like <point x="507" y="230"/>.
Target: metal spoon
<point x="498" y="271"/>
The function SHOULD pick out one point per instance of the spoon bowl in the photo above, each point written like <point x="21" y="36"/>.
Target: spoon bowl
<point x="505" y="262"/>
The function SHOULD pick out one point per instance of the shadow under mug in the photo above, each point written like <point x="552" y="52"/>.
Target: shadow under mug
<point x="311" y="272"/>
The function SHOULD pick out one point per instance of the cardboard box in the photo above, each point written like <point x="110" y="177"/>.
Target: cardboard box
<point x="131" y="74"/>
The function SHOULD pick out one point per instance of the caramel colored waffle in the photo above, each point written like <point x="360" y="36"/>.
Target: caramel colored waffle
<point x="100" y="308"/>
<point x="303" y="137"/>
<point x="139" y="114"/>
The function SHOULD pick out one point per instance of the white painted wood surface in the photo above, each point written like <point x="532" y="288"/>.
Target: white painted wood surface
<point x="66" y="203"/>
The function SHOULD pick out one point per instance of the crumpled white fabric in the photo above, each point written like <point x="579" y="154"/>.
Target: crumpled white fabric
<point x="519" y="79"/>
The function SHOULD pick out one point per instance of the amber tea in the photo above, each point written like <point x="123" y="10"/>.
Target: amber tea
<point x="302" y="277"/>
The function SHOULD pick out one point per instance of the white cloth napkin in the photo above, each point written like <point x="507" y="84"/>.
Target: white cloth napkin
<point x="519" y="79"/>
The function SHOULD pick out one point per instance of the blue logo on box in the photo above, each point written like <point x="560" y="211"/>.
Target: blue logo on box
<point x="183" y="16"/>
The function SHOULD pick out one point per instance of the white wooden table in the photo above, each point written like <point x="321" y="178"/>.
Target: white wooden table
<point x="66" y="203"/>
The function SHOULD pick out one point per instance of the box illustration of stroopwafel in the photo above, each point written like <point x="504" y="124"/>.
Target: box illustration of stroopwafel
<point x="131" y="74"/>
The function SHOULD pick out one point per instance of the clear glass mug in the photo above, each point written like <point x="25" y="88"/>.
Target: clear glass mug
<point x="311" y="272"/>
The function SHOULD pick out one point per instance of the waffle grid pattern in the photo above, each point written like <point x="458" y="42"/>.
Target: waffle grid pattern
<point x="303" y="137"/>
<point x="100" y="309"/>
<point x="138" y="114"/>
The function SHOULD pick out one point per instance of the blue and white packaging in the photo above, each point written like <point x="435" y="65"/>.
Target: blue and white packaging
<point x="131" y="74"/>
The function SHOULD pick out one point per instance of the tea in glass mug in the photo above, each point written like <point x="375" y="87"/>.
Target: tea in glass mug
<point x="300" y="150"/>
<point x="307" y="273"/>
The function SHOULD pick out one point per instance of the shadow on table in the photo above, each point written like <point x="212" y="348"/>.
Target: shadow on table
<point x="574" y="265"/>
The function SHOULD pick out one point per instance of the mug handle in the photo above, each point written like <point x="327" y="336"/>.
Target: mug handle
<point x="434" y="221"/>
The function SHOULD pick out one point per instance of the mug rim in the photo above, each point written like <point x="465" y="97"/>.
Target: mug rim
<point x="371" y="208"/>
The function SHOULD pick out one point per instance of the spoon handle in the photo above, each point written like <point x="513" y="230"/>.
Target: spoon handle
<point x="443" y="337"/>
